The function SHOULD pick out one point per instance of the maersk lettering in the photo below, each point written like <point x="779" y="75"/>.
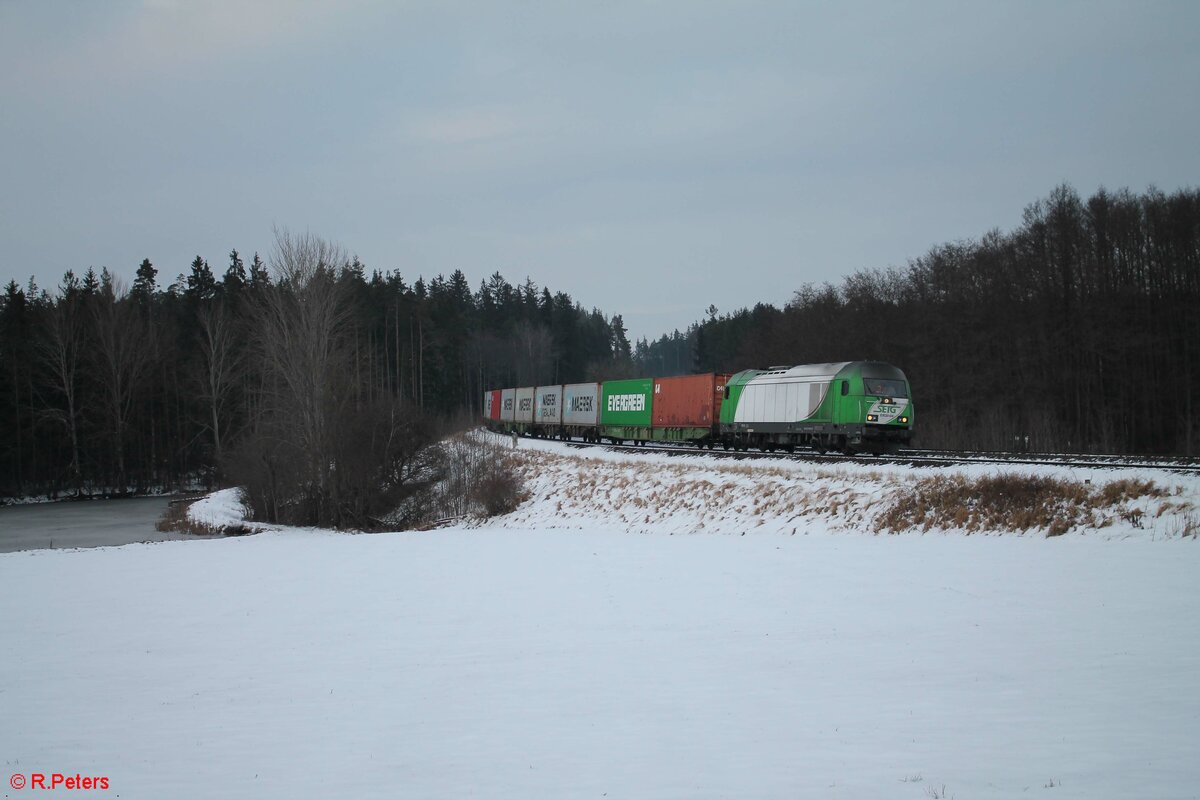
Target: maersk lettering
<point x="583" y="403"/>
<point x="526" y="404"/>
<point x="627" y="402"/>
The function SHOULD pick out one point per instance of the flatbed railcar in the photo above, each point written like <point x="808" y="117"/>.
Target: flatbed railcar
<point x="850" y="406"/>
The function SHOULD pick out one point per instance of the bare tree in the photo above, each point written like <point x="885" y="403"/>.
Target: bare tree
<point x="121" y="356"/>
<point x="221" y="361"/>
<point x="59" y="349"/>
<point x="304" y="320"/>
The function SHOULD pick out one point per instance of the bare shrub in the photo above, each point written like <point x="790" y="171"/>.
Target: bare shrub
<point x="1127" y="489"/>
<point x="480" y="479"/>
<point x="174" y="518"/>
<point x="381" y="459"/>
<point x="1010" y="502"/>
<point x="497" y="492"/>
<point x="266" y="463"/>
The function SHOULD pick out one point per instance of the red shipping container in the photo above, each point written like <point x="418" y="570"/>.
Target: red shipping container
<point x="494" y="408"/>
<point x="688" y="401"/>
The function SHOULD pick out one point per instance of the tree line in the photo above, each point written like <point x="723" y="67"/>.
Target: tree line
<point x="318" y="384"/>
<point x="306" y="376"/>
<point x="1079" y="331"/>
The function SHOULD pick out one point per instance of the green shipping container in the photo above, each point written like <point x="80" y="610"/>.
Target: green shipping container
<point x="625" y="408"/>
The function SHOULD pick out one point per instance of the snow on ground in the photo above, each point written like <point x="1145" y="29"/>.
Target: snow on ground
<point x="516" y="660"/>
<point x="652" y="492"/>
<point x="220" y="510"/>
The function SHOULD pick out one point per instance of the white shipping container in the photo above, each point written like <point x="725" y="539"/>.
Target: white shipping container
<point x="548" y="405"/>
<point x="508" y="405"/>
<point x="487" y="405"/>
<point x="525" y="405"/>
<point x="581" y="404"/>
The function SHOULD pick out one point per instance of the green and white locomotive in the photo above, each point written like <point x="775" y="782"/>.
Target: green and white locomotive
<point x="852" y="406"/>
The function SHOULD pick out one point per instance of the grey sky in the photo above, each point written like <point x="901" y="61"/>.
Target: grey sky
<point x="647" y="158"/>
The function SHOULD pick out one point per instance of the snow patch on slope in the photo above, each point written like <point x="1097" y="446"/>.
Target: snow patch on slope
<point x="222" y="510"/>
<point x="573" y="487"/>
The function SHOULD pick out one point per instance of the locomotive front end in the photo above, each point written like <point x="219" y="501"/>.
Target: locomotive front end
<point x="883" y="412"/>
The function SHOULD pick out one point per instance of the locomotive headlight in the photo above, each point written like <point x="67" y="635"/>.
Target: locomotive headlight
<point x="871" y="417"/>
<point x="904" y="419"/>
<point x="887" y="401"/>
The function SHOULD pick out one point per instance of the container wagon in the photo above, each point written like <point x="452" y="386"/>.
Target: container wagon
<point x="508" y="408"/>
<point x="625" y="410"/>
<point x="523" y="417"/>
<point x="547" y="411"/>
<point x="687" y="408"/>
<point x="581" y="411"/>
<point x="491" y="406"/>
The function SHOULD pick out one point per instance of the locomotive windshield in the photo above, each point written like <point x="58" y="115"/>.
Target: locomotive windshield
<point x="885" y="388"/>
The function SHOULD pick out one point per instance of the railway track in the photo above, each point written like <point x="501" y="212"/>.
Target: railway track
<point x="923" y="458"/>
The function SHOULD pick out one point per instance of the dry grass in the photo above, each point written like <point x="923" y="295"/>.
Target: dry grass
<point x="1014" y="503"/>
<point x="639" y="492"/>
<point x="176" y="519"/>
<point x="724" y="497"/>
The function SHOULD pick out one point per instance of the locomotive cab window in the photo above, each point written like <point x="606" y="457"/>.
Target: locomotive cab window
<point x="845" y="388"/>
<point x="885" y="388"/>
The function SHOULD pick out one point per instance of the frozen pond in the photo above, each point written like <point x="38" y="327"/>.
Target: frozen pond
<point x="85" y="523"/>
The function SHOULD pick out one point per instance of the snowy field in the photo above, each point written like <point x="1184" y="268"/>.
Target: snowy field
<point x="574" y="652"/>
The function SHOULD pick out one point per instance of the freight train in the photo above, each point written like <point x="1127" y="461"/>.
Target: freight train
<point x="850" y="407"/>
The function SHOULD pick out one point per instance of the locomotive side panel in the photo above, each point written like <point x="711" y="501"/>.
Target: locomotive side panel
<point x="779" y="397"/>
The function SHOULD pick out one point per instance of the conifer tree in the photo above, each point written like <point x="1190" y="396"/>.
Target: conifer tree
<point x="144" y="285"/>
<point x="201" y="285"/>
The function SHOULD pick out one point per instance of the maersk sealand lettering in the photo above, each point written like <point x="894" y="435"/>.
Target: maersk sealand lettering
<point x="627" y="402"/>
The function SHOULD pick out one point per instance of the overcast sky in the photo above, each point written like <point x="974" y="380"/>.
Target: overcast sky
<point x="647" y="158"/>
